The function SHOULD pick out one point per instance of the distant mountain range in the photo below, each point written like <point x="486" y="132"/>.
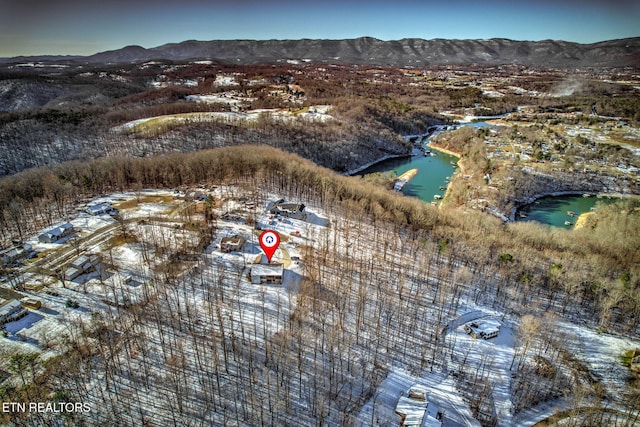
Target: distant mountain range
<point x="367" y="50"/>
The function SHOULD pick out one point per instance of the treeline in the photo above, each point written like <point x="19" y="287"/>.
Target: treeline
<point x="595" y="261"/>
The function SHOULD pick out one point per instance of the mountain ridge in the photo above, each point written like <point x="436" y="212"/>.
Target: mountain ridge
<point x="415" y="52"/>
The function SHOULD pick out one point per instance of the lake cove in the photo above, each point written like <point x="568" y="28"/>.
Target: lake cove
<point x="431" y="179"/>
<point x="434" y="170"/>
<point x="560" y="211"/>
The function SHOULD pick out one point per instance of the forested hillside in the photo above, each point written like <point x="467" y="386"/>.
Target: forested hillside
<point x="380" y="286"/>
<point x="123" y="185"/>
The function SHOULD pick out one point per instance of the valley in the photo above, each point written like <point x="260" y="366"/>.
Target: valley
<point x="133" y="283"/>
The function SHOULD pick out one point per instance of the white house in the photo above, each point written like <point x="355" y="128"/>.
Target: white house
<point x="81" y="265"/>
<point x="15" y="253"/>
<point x="262" y="274"/>
<point x="101" y="209"/>
<point x="416" y="411"/>
<point x="10" y="310"/>
<point x="486" y="328"/>
<point x="56" y="233"/>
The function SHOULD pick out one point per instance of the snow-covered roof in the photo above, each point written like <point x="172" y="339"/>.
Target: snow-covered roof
<point x="416" y="410"/>
<point x="58" y="231"/>
<point x="72" y="273"/>
<point x="235" y="240"/>
<point x="428" y="421"/>
<point x="412" y="410"/>
<point x="267" y="270"/>
<point x="15" y="251"/>
<point x="99" y="208"/>
<point x="9" y="308"/>
<point x="431" y="416"/>
<point x="80" y="261"/>
<point x="487" y="326"/>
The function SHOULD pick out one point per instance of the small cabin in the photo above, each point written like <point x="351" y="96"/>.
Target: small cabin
<point x="232" y="244"/>
<point x="31" y="303"/>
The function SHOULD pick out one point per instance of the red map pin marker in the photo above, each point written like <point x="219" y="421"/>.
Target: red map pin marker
<point x="269" y="242"/>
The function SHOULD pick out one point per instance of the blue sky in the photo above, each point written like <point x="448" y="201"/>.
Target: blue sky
<point x="31" y="27"/>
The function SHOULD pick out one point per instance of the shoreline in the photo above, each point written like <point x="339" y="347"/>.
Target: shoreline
<point x="444" y="150"/>
<point x="352" y="172"/>
<point x="535" y="197"/>
<point x="455" y="171"/>
<point x="528" y="201"/>
<point x="583" y="218"/>
<point x="459" y="168"/>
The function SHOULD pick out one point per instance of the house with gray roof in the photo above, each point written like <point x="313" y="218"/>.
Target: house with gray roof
<point x="56" y="233"/>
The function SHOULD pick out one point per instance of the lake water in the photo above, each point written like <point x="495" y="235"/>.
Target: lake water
<point x="552" y="210"/>
<point x="432" y="173"/>
<point x="432" y="177"/>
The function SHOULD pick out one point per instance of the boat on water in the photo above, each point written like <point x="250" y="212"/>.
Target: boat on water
<point x="568" y="223"/>
<point x="571" y="213"/>
<point x="404" y="179"/>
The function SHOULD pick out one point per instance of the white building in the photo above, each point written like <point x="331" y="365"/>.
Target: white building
<point x="486" y="328"/>
<point x="81" y="265"/>
<point x="101" y="209"/>
<point x="262" y="274"/>
<point x="56" y="233"/>
<point x="15" y="253"/>
<point x="416" y="411"/>
<point x="10" y="310"/>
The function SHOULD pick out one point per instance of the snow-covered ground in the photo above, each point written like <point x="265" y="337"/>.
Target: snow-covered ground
<point x="350" y="262"/>
<point x="380" y="409"/>
<point x="314" y="113"/>
<point x="128" y="259"/>
<point x="229" y="98"/>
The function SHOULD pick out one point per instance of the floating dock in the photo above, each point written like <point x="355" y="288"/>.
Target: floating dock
<point x="404" y="179"/>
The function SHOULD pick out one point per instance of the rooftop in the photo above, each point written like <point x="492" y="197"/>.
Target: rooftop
<point x="267" y="269"/>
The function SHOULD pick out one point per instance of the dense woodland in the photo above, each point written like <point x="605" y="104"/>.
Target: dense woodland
<point x="336" y="344"/>
<point x="170" y="359"/>
<point x="592" y="257"/>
